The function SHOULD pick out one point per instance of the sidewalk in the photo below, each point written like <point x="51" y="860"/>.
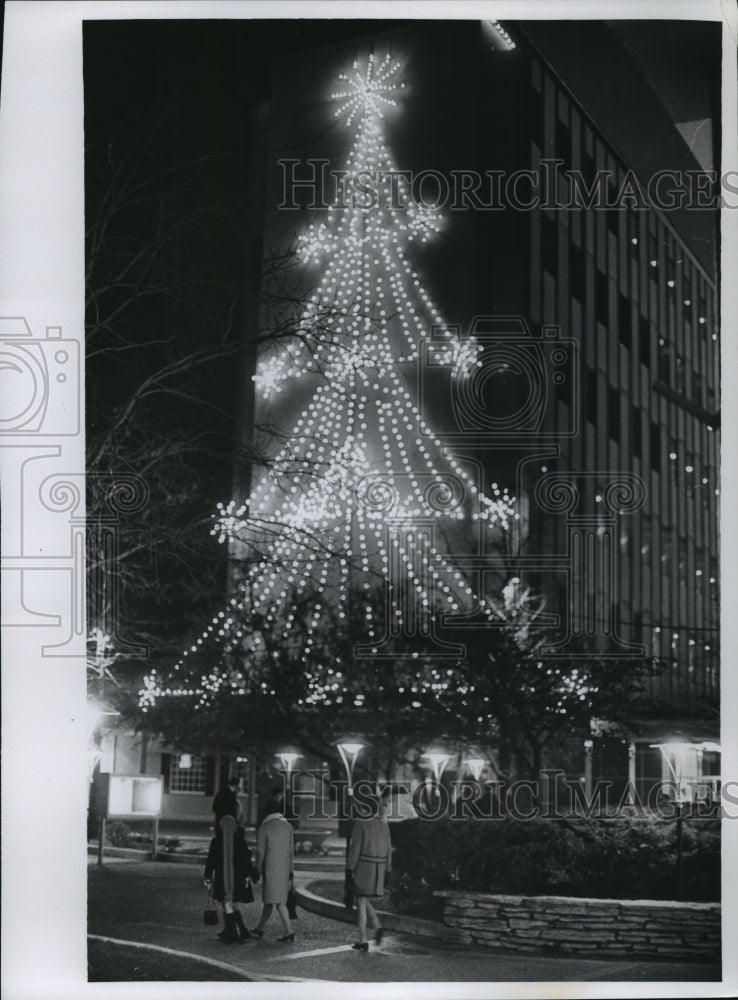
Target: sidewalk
<point x="161" y="904"/>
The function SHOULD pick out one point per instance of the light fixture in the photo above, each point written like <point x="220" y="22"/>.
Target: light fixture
<point x="674" y="754"/>
<point x="96" y="713"/>
<point x="476" y="766"/>
<point x="438" y="762"/>
<point x="288" y="760"/>
<point x="349" y="753"/>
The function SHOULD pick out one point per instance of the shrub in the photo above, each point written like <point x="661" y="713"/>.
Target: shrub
<point x="118" y="834"/>
<point x="616" y="858"/>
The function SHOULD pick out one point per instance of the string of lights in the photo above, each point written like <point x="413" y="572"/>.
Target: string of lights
<point x="361" y="455"/>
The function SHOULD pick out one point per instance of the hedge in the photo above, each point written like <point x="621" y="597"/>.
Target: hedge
<point x="602" y="858"/>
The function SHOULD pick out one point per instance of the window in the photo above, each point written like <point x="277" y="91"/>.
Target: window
<point x="655" y="447"/>
<point x="589" y="169"/>
<point x="644" y="341"/>
<point x="537" y="128"/>
<point x="187" y="779"/>
<point x="601" y="300"/>
<point x="613" y="212"/>
<point x="591" y="395"/>
<point x="635" y="425"/>
<point x="697" y="388"/>
<point x="652" y="250"/>
<point x="563" y="142"/>
<point x="577" y="272"/>
<point x="680" y="373"/>
<point x="624" y="320"/>
<point x="613" y="413"/>
<point x="633" y="233"/>
<point x="549" y="245"/>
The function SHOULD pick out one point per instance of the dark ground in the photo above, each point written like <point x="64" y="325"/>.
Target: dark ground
<point x="122" y="963"/>
<point x="161" y="904"/>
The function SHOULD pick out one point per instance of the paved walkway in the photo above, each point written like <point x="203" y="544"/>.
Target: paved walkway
<point x="161" y="904"/>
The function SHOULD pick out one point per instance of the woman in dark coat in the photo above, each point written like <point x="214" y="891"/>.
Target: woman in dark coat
<point x="275" y="848"/>
<point x="369" y="859"/>
<point x="226" y="802"/>
<point x="228" y="868"/>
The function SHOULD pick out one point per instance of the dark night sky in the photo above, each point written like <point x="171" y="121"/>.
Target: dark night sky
<point x="201" y="81"/>
<point x="207" y="76"/>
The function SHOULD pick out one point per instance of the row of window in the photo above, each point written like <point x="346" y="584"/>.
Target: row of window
<point x="191" y="774"/>
<point x="680" y="303"/>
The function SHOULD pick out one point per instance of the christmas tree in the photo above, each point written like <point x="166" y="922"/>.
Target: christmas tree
<point x="362" y="491"/>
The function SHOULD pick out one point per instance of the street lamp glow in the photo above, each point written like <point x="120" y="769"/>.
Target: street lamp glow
<point x="674" y="755"/>
<point x="288" y="760"/>
<point x="349" y="752"/>
<point x="95" y="714"/>
<point x="476" y="766"/>
<point x="438" y="762"/>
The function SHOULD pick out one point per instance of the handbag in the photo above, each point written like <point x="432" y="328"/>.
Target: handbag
<point x="210" y="913"/>
<point x="243" y="890"/>
<point x="292" y="904"/>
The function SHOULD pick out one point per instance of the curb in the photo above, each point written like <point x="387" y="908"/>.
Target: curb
<point x="390" y="921"/>
<point x="304" y="864"/>
<point x="174" y="953"/>
<point x="251" y="977"/>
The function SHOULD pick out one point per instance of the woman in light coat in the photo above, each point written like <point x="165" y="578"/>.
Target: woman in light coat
<point x="275" y="847"/>
<point x="369" y="859"/>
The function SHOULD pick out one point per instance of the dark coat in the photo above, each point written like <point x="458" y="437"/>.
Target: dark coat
<point x="225" y="803"/>
<point x="243" y="865"/>
<point x="369" y="855"/>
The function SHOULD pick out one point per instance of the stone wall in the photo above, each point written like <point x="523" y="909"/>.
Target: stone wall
<point x="611" y="927"/>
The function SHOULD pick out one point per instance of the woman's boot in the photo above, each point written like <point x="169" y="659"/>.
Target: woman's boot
<point x="243" y="932"/>
<point x="230" y="934"/>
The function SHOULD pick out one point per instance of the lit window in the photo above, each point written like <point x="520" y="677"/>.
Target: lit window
<point x="187" y="779"/>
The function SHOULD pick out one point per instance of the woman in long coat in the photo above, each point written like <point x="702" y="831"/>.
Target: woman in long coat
<point x="369" y="859"/>
<point x="228" y="868"/>
<point x="275" y="847"/>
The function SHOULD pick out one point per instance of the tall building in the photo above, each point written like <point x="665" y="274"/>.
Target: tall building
<point x="567" y="250"/>
<point x="568" y="223"/>
<point x="634" y="285"/>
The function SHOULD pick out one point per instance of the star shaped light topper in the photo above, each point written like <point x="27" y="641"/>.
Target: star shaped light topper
<point x="368" y="93"/>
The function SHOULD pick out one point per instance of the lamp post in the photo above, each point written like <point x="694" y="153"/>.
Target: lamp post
<point x="95" y="715"/>
<point x="349" y="753"/>
<point x="438" y="762"/>
<point x="675" y="756"/>
<point x="476" y="766"/>
<point x="288" y="762"/>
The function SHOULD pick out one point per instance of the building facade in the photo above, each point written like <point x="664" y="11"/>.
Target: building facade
<point x="598" y="305"/>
